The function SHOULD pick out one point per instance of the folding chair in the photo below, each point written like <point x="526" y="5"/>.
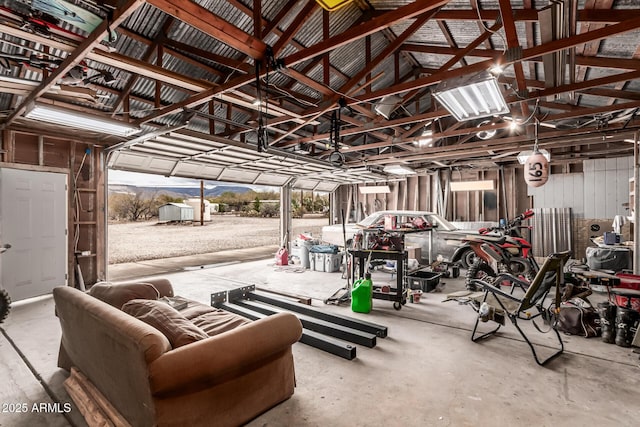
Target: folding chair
<point x="517" y="308"/>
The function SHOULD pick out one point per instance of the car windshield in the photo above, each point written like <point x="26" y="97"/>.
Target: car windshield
<point x="377" y="219"/>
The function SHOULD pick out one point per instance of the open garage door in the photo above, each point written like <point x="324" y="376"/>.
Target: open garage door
<point x="33" y="220"/>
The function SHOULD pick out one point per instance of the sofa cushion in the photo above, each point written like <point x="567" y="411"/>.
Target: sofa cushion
<point x="178" y="329"/>
<point x="118" y="295"/>
<point x="218" y="321"/>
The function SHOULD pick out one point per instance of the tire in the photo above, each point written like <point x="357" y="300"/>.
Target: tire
<point x="468" y="258"/>
<point x="478" y="270"/>
<point x="5" y="304"/>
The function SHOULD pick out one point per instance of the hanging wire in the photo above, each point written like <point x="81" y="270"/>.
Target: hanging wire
<point x="263" y="104"/>
<point x="504" y="41"/>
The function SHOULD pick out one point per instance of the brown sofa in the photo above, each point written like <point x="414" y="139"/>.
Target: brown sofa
<point x="237" y="371"/>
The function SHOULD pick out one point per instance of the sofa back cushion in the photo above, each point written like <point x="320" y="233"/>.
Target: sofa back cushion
<point x="118" y="295"/>
<point x="178" y="329"/>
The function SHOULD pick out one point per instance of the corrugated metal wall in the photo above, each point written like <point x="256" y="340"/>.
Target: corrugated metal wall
<point x="430" y="192"/>
<point x="552" y="231"/>
<point x="566" y="204"/>
<point x="599" y="192"/>
<point x="594" y="196"/>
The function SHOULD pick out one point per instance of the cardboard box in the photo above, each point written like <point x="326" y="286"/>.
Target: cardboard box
<point x="414" y="252"/>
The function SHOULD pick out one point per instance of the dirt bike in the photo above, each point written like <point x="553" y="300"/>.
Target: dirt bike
<point x="5" y="300"/>
<point x="502" y="249"/>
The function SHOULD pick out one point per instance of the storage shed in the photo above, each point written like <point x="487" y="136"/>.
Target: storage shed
<point x="195" y="204"/>
<point x="175" y="212"/>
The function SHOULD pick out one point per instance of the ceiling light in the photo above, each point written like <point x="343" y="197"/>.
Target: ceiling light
<point x="399" y="170"/>
<point x="472" y="185"/>
<point x="496" y="69"/>
<point x="514" y="126"/>
<point x="487" y="133"/>
<point x="332" y="5"/>
<point x="80" y="120"/>
<point x="374" y="189"/>
<point x="471" y="97"/>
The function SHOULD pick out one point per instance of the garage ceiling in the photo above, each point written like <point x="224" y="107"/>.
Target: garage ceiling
<point x="249" y="91"/>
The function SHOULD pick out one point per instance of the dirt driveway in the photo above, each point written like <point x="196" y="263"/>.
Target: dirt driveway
<point x="137" y="241"/>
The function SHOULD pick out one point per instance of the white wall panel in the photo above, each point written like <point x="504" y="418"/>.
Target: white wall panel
<point x="598" y="192"/>
<point x="561" y="191"/>
<point x="608" y="186"/>
<point x="600" y="189"/>
<point x="578" y="202"/>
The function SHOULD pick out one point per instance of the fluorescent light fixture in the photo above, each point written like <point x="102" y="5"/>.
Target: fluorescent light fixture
<point x="374" y="189"/>
<point x="471" y="97"/>
<point x="398" y="170"/>
<point x="524" y="155"/>
<point x="472" y="185"/>
<point x="80" y="120"/>
<point x="488" y="133"/>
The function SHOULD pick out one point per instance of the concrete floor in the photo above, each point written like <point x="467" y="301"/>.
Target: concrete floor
<point x="427" y="372"/>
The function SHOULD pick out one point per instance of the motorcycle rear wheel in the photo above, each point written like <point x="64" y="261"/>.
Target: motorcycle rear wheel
<point x="5" y="304"/>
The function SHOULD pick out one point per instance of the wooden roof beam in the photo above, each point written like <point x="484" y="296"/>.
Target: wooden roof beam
<point x="364" y="29"/>
<point x="303" y="16"/>
<point x="531" y="15"/>
<point x="534" y="52"/>
<point x="513" y="43"/>
<point x="211" y="24"/>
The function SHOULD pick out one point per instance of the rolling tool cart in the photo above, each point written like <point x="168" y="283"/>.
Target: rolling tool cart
<point x="398" y="294"/>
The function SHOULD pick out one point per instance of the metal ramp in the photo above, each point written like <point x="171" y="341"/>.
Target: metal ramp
<point x="329" y="332"/>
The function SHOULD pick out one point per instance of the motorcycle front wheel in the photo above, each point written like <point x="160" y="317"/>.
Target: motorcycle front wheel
<point x="478" y="270"/>
<point x="5" y="304"/>
<point x="468" y="259"/>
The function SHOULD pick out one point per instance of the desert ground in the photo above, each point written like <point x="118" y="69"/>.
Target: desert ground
<point x="143" y="240"/>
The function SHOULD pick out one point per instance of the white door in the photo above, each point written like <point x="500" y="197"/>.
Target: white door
<point x="33" y="220"/>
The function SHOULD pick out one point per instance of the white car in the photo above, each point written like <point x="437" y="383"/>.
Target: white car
<point x="420" y="227"/>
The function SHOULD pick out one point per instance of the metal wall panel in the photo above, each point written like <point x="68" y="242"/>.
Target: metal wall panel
<point x="561" y="191"/>
<point x="552" y="231"/>
<point x="607" y="186"/>
<point x="599" y="192"/>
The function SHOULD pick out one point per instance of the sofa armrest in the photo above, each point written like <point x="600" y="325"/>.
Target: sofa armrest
<point x="227" y="355"/>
